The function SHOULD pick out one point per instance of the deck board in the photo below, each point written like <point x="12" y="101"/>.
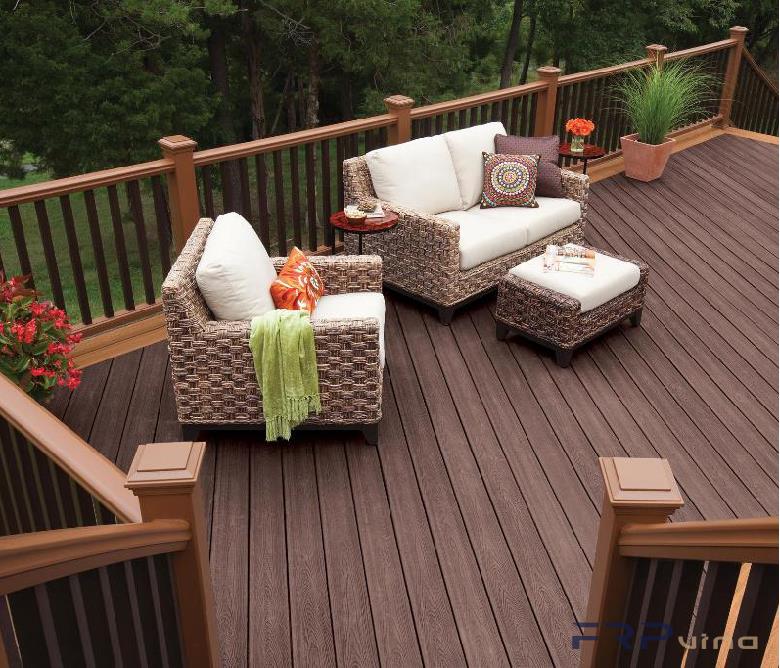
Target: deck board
<point x="467" y="536"/>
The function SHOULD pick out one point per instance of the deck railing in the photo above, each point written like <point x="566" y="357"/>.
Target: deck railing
<point x="687" y="594"/>
<point x="98" y="244"/>
<point x="136" y="593"/>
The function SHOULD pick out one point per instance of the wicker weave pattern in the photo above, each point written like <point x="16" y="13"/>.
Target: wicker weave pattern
<point x="421" y="255"/>
<point x="213" y="372"/>
<point x="555" y="318"/>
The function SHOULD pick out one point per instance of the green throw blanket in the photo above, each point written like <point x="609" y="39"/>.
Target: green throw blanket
<point x="282" y="345"/>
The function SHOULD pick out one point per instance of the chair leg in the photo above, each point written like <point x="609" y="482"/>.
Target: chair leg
<point x="636" y="318"/>
<point x="445" y="315"/>
<point x="371" y="433"/>
<point x="502" y="331"/>
<point x="563" y="356"/>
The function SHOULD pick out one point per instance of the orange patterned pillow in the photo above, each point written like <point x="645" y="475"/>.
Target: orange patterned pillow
<point x="298" y="286"/>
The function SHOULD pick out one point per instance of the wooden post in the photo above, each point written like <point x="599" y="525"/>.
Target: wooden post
<point x="656" y="54"/>
<point x="164" y="477"/>
<point x="545" y="107"/>
<point x="637" y="491"/>
<point x="182" y="187"/>
<point x="399" y="106"/>
<point x="736" y="33"/>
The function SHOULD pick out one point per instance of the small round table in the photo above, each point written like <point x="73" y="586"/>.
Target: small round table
<point x="368" y="226"/>
<point x="590" y="152"/>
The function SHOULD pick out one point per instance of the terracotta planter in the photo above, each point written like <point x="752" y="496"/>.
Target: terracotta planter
<point x="645" y="162"/>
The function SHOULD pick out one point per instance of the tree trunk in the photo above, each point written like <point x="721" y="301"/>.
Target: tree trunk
<point x="313" y="90"/>
<point x="219" y="77"/>
<point x="528" y="49"/>
<point x="254" y="75"/>
<point x="512" y="41"/>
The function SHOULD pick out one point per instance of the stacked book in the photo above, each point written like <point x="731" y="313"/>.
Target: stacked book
<point x="570" y="258"/>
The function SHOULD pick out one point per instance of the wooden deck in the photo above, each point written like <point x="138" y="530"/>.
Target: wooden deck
<point x="467" y="536"/>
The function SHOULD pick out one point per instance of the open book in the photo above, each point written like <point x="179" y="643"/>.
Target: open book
<point x="571" y="258"/>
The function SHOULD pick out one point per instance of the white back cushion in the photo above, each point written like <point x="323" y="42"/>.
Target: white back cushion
<point x="234" y="274"/>
<point x="466" y="147"/>
<point x="417" y="175"/>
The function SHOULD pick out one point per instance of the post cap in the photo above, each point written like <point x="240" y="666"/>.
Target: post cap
<point x="639" y="482"/>
<point x="737" y="30"/>
<point x="655" y="48"/>
<point x="548" y="72"/>
<point x="165" y="468"/>
<point x="398" y="102"/>
<point x="177" y="144"/>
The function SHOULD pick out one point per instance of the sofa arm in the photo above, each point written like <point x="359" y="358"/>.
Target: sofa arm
<point x="345" y="273"/>
<point x="576" y="186"/>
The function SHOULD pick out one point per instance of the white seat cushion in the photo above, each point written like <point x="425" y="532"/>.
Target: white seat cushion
<point x="466" y="147"/>
<point x="612" y="277"/>
<point x="354" y="305"/>
<point x="234" y="274"/>
<point x="486" y="237"/>
<point x="487" y="234"/>
<point x="417" y="175"/>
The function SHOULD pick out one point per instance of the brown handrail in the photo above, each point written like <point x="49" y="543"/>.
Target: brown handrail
<point x="702" y="49"/>
<point x="266" y="145"/>
<point x="30" y="559"/>
<point x="96" y="474"/>
<point x="739" y="540"/>
<point x="74" y="184"/>
<point x="476" y="100"/>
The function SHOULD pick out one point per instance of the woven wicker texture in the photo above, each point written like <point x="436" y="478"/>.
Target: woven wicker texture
<point x="213" y="373"/>
<point x="420" y="255"/>
<point x="555" y="318"/>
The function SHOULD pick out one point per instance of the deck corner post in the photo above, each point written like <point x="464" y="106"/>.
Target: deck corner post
<point x="637" y="491"/>
<point x="164" y="477"/>
<point x="544" y="120"/>
<point x="399" y="106"/>
<point x="182" y="187"/>
<point x="737" y="33"/>
<point x="656" y="54"/>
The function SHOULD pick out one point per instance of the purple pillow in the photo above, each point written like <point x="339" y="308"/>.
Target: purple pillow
<point x="548" y="182"/>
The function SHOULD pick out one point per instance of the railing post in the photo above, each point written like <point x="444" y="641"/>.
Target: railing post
<point x="164" y="477"/>
<point x="656" y="54"/>
<point x="736" y="33"/>
<point x="544" y="121"/>
<point x="637" y="491"/>
<point x="399" y="106"/>
<point x="182" y="187"/>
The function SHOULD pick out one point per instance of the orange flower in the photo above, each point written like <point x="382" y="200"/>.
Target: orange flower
<point x="581" y="127"/>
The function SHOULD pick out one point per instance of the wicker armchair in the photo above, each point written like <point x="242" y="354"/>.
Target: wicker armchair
<point x="211" y="364"/>
<point x="421" y="257"/>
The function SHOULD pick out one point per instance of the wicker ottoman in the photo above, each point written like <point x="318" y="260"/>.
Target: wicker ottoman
<point x="578" y="310"/>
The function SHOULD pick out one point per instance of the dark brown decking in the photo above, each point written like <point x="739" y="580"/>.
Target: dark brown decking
<point x="468" y="535"/>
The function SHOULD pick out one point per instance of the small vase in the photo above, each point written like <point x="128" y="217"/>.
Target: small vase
<point x="577" y="144"/>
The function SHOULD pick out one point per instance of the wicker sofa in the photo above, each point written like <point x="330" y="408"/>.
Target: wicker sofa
<point x="422" y="254"/>
<point x="211" y="364"/>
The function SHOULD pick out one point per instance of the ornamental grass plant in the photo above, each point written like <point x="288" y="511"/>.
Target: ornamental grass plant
<point x="659" y="99"/>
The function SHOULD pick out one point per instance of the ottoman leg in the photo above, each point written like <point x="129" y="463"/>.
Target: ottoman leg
<point x="636" y="318"/>
<point x="502" y="331"/>
<point x="190" y="432"/>
<point x="563" y="356"/>
<point x="445" y="315"/>
<point x="371" y="433"/>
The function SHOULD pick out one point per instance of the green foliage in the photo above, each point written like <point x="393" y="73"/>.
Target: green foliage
<point x="657" y="100"/>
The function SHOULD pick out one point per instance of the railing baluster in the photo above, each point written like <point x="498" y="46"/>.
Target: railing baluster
<point x="48" y="251"/>
<point x="163" y="224"/>
<point x="121" y="248"/>
<point x="678" y="610"/>
<point x="75" y="260"/>
<point x="756" y="615"/>
<point x="24" y="605"/>
<point x="340" y="155"/>
<point x="208" y="190"/>
<point x="246" y="200"/>
<point x="326" y="208"/>
<point x="136" y="210"/>
<point x="97" y="249"/>
<point x="262" y="199"/>
<point x="281" y="218"/>
<point x="295" y="186"/>
<point x="311" y="197"/>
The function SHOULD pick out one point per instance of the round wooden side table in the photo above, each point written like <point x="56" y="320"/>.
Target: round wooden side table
<point x="590" y="152"/>
<point x="368" y="226"/>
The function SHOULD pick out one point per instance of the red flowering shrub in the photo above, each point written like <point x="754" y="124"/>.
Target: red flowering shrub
<point x="35" y="341"/>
